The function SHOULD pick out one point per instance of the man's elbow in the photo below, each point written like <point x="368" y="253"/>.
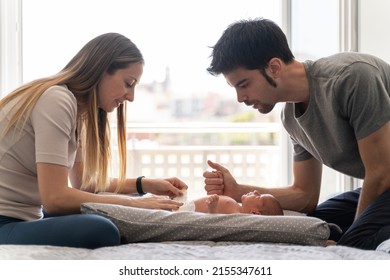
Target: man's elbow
<point x="310" y="207"/>
<point x="306" y="204"/>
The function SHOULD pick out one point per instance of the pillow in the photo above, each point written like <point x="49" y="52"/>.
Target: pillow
<point x="146" y="225"/>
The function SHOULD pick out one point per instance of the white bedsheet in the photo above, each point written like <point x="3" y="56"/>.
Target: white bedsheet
<point x="191" y="250"/>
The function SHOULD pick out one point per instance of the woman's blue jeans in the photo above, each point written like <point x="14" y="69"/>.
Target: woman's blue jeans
<point x="78" y="230"/>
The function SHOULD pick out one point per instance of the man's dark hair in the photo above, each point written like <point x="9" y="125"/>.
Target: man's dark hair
<point x="249" y="44"/>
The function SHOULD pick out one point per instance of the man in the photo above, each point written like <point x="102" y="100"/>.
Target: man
<point x="337" y="113"/>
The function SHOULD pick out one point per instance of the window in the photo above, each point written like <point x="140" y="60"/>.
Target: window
<point x="315" y="33"/>
<point x="182" y="115"/>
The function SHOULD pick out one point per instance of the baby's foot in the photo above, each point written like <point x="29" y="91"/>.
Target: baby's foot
<point x="212" y="202"/>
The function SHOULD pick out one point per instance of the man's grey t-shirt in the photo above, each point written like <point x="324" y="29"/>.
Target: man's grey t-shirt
<point x="349" y="99"/>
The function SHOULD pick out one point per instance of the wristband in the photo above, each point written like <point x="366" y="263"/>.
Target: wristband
<point x="138" y="184"/>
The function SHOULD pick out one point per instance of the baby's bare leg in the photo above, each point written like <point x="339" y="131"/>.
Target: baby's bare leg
<point x="212" y="203"/>
<point x="330" y="243"/>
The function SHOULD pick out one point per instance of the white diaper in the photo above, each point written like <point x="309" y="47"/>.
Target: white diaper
<point x="188" y="206"/>
<point x="182" y="198"/>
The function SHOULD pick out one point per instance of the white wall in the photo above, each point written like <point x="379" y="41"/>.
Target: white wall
<point x="10" y="45"/>
<point x="374" y="25"/>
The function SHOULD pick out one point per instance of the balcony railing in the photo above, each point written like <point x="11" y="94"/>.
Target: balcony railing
<point x="253" y="163"/>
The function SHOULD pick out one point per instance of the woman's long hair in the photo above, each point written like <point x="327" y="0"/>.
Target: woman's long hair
<point x="105" y="53"/>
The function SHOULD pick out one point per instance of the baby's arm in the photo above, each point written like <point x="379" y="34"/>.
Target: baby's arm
<point x="222" y="205"/>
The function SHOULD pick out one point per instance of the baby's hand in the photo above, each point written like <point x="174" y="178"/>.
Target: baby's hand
<point x="212" y="202"/>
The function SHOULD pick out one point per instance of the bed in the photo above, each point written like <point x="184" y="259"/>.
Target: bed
<point x="156" y="234"/>
<point x="192" y="250"/>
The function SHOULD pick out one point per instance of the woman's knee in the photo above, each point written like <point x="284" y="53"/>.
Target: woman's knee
<point x="99" y="232"/>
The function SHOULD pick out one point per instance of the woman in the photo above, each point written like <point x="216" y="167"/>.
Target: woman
<point x="55" y="130"/>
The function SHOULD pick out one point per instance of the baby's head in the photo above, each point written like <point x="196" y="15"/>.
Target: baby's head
<point x="260" y="204"/>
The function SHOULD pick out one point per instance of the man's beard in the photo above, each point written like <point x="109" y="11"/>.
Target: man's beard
<point x="266" y="109"/>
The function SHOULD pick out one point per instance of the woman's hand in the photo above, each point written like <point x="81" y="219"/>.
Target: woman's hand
<point x="155" y="202"/>
<point x="219" y="181"/>
<point x="171" y="187"/>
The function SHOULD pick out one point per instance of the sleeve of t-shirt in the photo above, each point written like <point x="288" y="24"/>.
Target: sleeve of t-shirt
<point x="288" y="120"/>
<point x="54" y="120"/>
<point x="363" y="99"/>
<point x="300" y="153"/>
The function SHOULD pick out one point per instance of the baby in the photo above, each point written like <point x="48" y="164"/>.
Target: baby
<point x="252" y="203"/>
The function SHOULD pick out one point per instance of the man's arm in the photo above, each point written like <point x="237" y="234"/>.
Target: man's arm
<point x="301" y="196"/>
<point x="375" y="153"/>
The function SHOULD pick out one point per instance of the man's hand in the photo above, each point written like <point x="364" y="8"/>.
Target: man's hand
<point x="219" y="181"/>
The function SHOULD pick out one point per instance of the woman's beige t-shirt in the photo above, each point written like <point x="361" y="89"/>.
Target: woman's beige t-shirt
<point x="49" y="136"/>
